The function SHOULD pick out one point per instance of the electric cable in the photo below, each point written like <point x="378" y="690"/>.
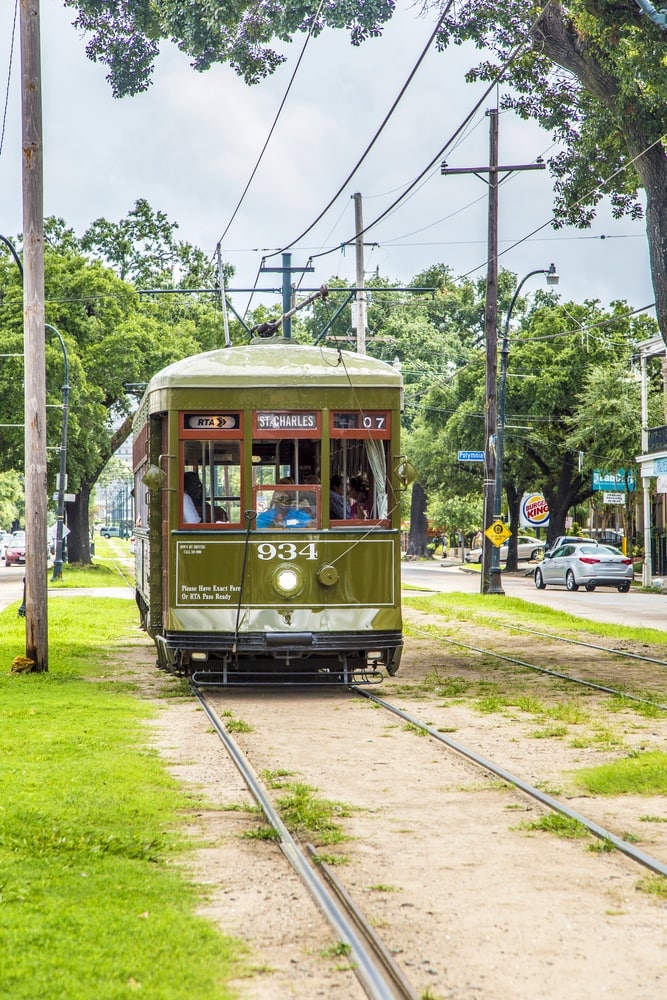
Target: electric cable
<point x="377" y="134"/>
<point x="9" y="76"/>
<point x="275" y="122"/>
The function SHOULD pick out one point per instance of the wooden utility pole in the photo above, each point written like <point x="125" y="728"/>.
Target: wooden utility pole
<point x="34" y="340"/>
<point x="361" y="293"/>
<point x="491" y="325"/>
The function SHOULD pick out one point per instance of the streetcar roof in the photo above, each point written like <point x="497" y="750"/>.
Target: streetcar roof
<point x="276" y="362"/>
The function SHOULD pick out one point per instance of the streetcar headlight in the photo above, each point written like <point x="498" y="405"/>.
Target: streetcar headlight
<point x="287" y="581"/>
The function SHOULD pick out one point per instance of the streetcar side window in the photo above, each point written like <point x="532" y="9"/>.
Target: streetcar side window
<point x="212" y="482"/>
<point x="360" y="460"/>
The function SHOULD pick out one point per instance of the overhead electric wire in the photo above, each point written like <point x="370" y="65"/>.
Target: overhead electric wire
<point x="9" y="76"/>
<point x="501" y="71"/>
<point x="275" y="122"/>
<point x="593" y="190"/>
<point x="376" y="136"/>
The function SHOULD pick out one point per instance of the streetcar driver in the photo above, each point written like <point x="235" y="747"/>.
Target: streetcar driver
<point x="193" y="501"/>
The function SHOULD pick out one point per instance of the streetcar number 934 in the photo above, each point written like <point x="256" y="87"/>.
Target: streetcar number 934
<point x="286" y="551"/>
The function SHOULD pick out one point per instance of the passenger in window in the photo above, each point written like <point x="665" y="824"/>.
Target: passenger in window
<point x="285" y="515"/>
<point x="339" y="509"/>
<point x="193" y="505"/>
<point x="360" y="506"/>
<point x="192" y="498"/>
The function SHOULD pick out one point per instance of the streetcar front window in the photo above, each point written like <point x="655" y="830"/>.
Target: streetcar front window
<point x="212" y="482"/>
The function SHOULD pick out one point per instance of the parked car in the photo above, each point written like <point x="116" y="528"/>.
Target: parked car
<point x="566" y="540"/>
<point x="527" y="548"/>
<point x="110" y="531"/>
<point x="585" y="565"/>
<point x="15" y="551"/>
<point x="5" y="539"/>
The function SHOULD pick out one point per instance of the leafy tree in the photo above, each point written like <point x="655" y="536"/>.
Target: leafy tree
<point x="604" y="106"/>
<point x="12" y="502"/>
<point x="550" y="409"/>
<point x="142" y="248"/>
<point x="115" y="342"/>
<point x="125" y="34"/>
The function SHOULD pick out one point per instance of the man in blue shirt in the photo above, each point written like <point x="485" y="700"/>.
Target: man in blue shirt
<point x="339" y="508"/>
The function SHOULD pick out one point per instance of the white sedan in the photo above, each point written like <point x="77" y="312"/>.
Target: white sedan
<point x="527" y="548"/>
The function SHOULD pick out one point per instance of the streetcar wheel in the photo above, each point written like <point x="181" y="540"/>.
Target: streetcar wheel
<point x="539" y="580"/>
<point x="570" y="582"/>
<point x="624" y="587"/>
<point x="590" y="587"/>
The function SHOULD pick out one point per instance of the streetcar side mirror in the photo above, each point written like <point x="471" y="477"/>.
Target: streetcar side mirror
<point x="406" y="473"/>
<point x="154" y="477"/>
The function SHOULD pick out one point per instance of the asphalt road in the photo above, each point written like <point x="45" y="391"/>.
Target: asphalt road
<point x="603" y="605"/>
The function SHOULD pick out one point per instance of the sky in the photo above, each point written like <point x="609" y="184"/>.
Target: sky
<point x="190" y="143"/>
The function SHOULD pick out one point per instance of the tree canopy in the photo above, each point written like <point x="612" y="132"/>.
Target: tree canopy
<point x="591" y="72"/>
<point x="125" y="34"/>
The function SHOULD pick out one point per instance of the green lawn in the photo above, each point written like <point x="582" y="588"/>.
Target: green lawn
<point x="92" y="905"/>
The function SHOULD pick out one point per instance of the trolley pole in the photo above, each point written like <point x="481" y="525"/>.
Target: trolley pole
<point x="491" y="327"/>
<point x="34" y="339"/>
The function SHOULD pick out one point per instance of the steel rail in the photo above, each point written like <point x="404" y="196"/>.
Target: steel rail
<point x="547" y="670"/>
<point x="580" y="642"/>
<point x="376" y="943"/>
<point x="622" y="845"/>
<point x="371" y="977"/>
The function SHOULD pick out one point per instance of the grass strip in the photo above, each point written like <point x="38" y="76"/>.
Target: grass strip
<point x="92" y="903"/>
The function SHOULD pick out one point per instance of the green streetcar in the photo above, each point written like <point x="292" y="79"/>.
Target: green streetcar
<point x="267" y="496"/>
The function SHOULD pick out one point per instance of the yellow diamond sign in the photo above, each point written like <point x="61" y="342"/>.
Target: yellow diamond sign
<point x="498" y="532"/>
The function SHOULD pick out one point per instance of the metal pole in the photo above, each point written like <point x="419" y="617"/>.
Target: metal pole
<point x="495" y="581"/>
<point x="287" y="295"/>
<point x="491" y="338"/>
<point x="361" y="294"/>
<point x="62" y="476"/>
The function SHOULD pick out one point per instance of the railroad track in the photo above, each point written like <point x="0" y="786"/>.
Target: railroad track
<point x="375" y="980"/>
<point x="653" y="864"/>
<point x="549" y="671"/>
<point x="379" y="975"/>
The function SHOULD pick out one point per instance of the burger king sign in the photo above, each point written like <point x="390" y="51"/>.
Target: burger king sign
<point x="534" y="511"/>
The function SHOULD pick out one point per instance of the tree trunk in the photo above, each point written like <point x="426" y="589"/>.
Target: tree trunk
<point x="560" y="41"/>
<point x="514" y="504"/>
<point x="78" y="539"/>
<point x="417" y="538"/>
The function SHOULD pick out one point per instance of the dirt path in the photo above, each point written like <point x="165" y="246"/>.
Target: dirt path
<point x="472" y="902"/>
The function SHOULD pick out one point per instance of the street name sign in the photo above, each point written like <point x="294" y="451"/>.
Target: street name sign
<point x="471" y="456"/>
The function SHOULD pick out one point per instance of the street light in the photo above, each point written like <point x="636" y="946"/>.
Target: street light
<point x="62" y="475"/>
<point x="495" y="582"/>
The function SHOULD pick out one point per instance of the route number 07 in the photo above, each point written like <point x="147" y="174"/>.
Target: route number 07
<point x="286" y="551"/>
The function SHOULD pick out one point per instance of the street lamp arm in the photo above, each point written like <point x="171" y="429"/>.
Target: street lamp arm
<point x="495" y="584"/>
<point x="12" y="250"/>
<point x="60" y="516"/>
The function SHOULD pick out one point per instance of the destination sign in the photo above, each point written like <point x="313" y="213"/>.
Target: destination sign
<point x="292" y="421"/>
<point x="354" y="420"/>
<point x="212" y="421"/>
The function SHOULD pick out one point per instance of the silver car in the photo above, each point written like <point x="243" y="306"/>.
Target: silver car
<point x="527" y="548"/>
<point x="585" y="565"/>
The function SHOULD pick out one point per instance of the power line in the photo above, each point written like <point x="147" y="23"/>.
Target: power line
<point x="9" y="76"/>
<point x="377" y="133"/>
<point x="275" y="122"/>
